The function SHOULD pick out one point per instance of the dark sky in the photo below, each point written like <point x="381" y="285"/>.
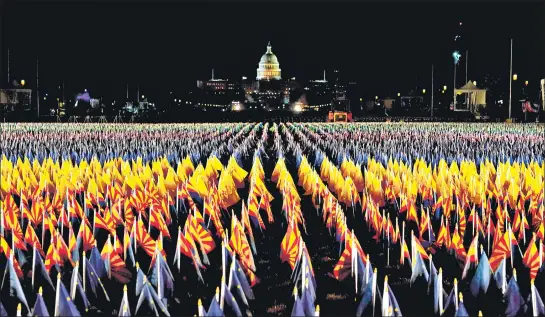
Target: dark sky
<point x="386" y="47"/>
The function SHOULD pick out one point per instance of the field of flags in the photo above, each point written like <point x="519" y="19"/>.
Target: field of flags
<point x="244" y="219"/>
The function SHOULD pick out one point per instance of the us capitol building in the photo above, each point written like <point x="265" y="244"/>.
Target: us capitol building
<point x="267" y="92"/>
<point x="269" y="68"/>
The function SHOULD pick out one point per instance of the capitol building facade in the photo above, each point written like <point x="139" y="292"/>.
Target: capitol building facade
<point x="269" y="68"/>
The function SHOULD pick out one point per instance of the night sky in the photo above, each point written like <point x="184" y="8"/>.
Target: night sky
<point x="165" y="47"/>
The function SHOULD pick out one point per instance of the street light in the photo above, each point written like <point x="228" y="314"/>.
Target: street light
<point x="526" y="83"/>
<point x="445" y="87"/>
<point x="22" y="82"/>
<point x="456" y="56"/>
<point x="423" y="91"/>
<point x="475" y="83"/>
<point x="376" y="97"/>
<point x="399" y="94"/>
<point x="515" y="76"/>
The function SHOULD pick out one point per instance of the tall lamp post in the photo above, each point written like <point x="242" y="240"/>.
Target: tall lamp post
<point x="456" y="56"/>
<point x="511" y="77"/>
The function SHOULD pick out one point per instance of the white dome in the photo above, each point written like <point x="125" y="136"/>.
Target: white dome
<point x="269" y="68"/>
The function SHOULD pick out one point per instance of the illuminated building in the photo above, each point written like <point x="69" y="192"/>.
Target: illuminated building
<point x="318" y="93"/>
<point x="217" y="93"/>
<point x="269" y="68"/>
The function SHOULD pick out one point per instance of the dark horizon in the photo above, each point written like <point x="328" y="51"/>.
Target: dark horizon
<point x="386" y="48"/>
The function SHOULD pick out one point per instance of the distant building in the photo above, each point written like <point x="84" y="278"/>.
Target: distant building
<point x="270" y="92"/>
<point x="319" y="94"/>
<point x="217" y="93"/>
<point x="16" y="99"/>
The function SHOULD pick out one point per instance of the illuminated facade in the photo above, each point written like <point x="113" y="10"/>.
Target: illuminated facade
<point x="269" y="68"/>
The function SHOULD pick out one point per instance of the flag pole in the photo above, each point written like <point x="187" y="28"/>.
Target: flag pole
<point x="440" y="290"/>
<point x="456" y="292"/>
<point x="223" y="269"/>
<point x="33" y="262"/>
<point x="534" y="304"/>
<point x="385" y="297"/>
<point x="374" y="288"/>
<point x="84" y="269"/>
<point x="57" y="294"/>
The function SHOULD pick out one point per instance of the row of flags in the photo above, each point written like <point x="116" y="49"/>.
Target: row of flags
<point x="70" y="208"/>
<point x="532" y="258"/>
<point x="91" y="199"/>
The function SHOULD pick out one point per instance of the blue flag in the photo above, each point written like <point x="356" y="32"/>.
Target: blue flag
<point x="481" y="280"/>
<point x="419" y="268"/>
<point x="140" y="278"/>
<point x="15" y="288"/>
<point x="393" y="302"/>
<point x="66" y="306"/>
<point x="298" y="310"/>
<point x="98" y="264"/>
<point x="308" y="302"/>
<point x="538" y="303"/>
<point x="433" y="276"/>
<point x="499" y="275"/>
<point x="461" y="311"/>
<point x="514" y="299"/>
<point x="367" y="296"/>
<point x="124" y="307"/>
<point x="215" y="309"/>
<point x="149" y="294"/>
<point x="3" y="312"/>
<point x="39" y="266"/>
<point x="231" y="302"/>
<point x="39" y="306"/>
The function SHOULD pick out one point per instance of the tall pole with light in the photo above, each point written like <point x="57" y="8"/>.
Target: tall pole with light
<point x="37" y="87"/>
<point x="456" y="56"/>
<point x="510" y="77"/>
<point x="432" y="91"/>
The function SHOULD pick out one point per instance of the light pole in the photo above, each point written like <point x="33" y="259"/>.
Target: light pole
<point x="432" y="90"/>
<point x="456" y="55"/>
<point x="510" y="77"/>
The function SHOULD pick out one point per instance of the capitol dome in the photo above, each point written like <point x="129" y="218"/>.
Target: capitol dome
<point x="269" y="68"/>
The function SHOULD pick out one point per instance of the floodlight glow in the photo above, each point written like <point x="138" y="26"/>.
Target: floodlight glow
<point x="456" y="55"/>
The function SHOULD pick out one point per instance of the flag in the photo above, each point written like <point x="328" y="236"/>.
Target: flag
<point x="124" y="307"/>
<point x="298" y="309"/>
<point x="230" y="300"/>
<point x="32" y="239"/>
<point x="514" y="299"/>
<point x="500" y="250"/>
<point x="39" y="266"/>
<point x="481" y="279"/>
<point x="419" y="248"/>
<point x="52" y="257"/>
<point x="531" y="258"/>
<point x="63" y="304"/>
<point x="40" y="309"/>
<point x="15" y="288"/>
<point x="461" y="311"/>
<point x="3" y="312"/>
<point x="214" y="309"/>
<point x="343" y="268"/>
<point x="538" y="309"/>
<point x="418" y="268"/>
<point x="143" y="238"/>
<point x="368" y="295"/>
<point x="149" y="294"/>
<point x="289" y="248"/>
